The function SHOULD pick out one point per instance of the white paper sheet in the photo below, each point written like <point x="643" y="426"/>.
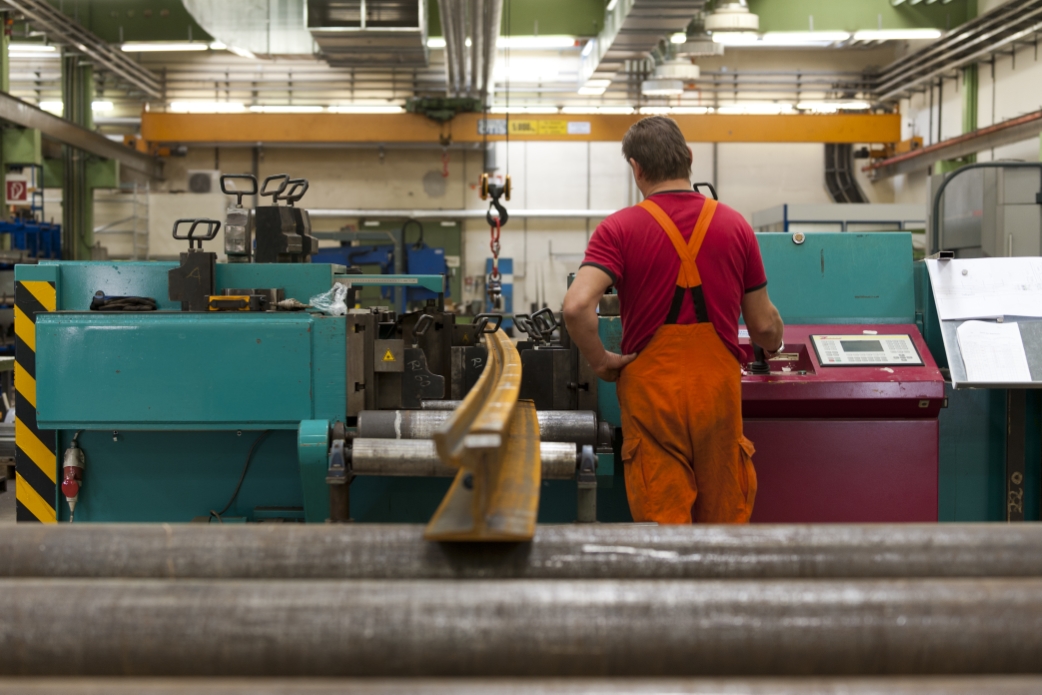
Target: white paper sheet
<point x="981" y="288"/>
<point x="993" y="353"/>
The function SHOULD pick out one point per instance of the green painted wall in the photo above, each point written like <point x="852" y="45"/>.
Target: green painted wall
<point x="851" y="15"/>
<point x="520" y="17"/>
<point x="141" y="20"/>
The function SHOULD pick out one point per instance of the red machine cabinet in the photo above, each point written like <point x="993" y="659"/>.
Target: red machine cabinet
<point x="852" y="443"/>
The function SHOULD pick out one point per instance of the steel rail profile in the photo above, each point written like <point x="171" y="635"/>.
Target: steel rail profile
<point x="494" y="441"/>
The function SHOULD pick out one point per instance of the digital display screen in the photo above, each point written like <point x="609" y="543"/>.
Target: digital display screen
<point x="861" y="345"/>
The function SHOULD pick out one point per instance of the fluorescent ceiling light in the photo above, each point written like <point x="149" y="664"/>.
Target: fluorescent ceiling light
<point x="163" y="46"/>
<point x="674" y="110"/>
<point x="679" y="37"/>
<point x="207" y="107"/>
<point x="537" y="42"/>
<point x="781" y="38"/>
<point x="803" y="38"/>
<point x="436" y="42"/>
<point x="30" y="48"/>
<point x="242" y="52"/>
<point x="896" y="34"/>
<point x="833" y="106"/>
<point x="597" y="110"/>
<point x="736" y="38"/>
<point x="662" y="88"/>
<point x="524" y="109"/>
<point x="366" y="108"/>
<point x="101" y="106"/>
<point x="766" y="108"/>
<point x="594" y="88"/>
<point x="286" y="109"/>
<point x="55" y="107"/>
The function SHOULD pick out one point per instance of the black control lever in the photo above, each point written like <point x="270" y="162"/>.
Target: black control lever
<point x="266" y="190"/>
<point x="225" y="178"/>
<point x="759" y="364"/>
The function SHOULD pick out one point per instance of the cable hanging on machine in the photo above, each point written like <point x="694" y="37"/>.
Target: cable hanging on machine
<point x="418" y="244"/>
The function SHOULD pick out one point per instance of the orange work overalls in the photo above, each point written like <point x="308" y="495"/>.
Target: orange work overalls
<point x="685" y="456"/>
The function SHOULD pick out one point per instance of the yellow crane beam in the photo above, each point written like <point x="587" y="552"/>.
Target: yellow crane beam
<point x="333" y="128"/>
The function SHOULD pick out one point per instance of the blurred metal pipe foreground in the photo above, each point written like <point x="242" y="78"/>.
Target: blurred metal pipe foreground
<point x="109" y="627"/>
<point x="604" y="551"/>
<point x="992" y="685"/>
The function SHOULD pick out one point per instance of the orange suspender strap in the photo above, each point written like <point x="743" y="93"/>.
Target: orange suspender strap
<point x="688" y="278"/>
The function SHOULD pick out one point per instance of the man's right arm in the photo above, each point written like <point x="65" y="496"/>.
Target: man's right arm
<point x="763" y="320"/>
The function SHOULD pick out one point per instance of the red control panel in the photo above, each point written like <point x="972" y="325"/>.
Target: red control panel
<point x="867" y="383"/>
<point x="845" y="426"/>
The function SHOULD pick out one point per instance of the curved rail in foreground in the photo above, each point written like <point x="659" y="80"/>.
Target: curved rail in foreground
<point x="494" y="441"/>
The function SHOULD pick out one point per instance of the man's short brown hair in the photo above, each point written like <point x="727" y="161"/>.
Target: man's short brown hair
<point x="658" y="146"/>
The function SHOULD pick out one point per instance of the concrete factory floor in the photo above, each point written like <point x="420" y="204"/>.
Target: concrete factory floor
<point x="7" y="504"/>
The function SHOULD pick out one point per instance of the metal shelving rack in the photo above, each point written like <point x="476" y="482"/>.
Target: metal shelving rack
<point x="134" y="225"/>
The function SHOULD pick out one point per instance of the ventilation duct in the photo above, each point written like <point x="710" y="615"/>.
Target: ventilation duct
<point x="632" y="29"/>
<point x="370" y="33"/>
<point x="263" y="28"/>
<point x="471" y="29"/>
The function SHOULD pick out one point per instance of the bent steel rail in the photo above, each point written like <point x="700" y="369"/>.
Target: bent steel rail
<point x="494" y="441"/>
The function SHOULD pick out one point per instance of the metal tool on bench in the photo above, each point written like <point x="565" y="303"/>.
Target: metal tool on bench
<point x="193" y="281"/>
<point x="238" y="221"/>
<point x="283" y="232"/>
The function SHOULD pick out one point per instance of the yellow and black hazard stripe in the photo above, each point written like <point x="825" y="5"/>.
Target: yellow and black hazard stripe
<point x="36" y="463"/>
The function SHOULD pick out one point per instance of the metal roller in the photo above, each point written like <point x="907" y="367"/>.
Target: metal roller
<point x="965" y="685"/>
<point x="592" y="628"/>
<point x="577" y="427"/>
<point x="418" y="458"/>
<point x="604" y="551"/>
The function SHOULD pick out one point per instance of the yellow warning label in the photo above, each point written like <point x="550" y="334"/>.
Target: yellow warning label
<point x="388" y="357"/>
<point x="537" y="127"/>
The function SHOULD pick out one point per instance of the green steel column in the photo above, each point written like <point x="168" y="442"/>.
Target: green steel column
<point x="5" y="86"/>
<point x="77" y="203"/>
<point x="969" y="118"/>
<point x="969" y="104"/>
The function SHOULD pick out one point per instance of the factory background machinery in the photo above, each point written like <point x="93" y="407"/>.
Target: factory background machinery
<point x="194" y="412"/>
<point x="290" y="408"/>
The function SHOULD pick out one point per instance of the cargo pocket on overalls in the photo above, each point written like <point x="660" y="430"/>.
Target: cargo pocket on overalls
<point x="745" y="452"/>
<point x="631" y="464"/>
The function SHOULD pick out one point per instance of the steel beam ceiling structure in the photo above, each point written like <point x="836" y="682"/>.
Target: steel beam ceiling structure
<point x="998" y="31"/>
<point x="62" y="29"/>
<point x="1002" y="133"/>
<point x="28" y="116"/>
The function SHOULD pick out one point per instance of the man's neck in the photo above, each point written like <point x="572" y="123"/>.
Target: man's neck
<point x="671" y="185"/>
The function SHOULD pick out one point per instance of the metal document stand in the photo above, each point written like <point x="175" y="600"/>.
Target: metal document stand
<point x="1016" y="401"/>
<point x="1031" y="336"/>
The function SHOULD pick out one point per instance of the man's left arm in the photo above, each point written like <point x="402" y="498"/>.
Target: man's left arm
<point x="580" y="316"/>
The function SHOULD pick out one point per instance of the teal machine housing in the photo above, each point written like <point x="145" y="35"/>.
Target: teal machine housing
<point x="169" y="404"/>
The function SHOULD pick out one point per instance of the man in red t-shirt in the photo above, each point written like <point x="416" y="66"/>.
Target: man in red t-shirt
<point x="685" y="268"/>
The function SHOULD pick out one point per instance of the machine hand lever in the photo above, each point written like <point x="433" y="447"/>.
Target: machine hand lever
<point x="759" y="364"/>
<point x="235" y="192"/>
